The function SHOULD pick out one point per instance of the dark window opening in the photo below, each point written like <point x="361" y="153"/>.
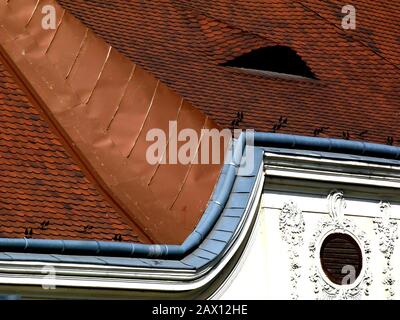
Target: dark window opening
<point x="279" y="59"/>
<point x="341" y="258"/>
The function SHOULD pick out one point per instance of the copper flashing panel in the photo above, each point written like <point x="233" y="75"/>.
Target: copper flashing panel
<point x="34" y="25"/>
<point x="201" y="176"/>
<point x="87" y="65"/>
<point x="21" y="10"/>
<point x="66" y="45"/>
<point x="132" y="110"/>
<point x="105" y="105"/>
<point x="109" y="88"/>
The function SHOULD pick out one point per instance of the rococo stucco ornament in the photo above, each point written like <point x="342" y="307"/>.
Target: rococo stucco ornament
<point x="337" y="223"/>
<point x="292" y="227"/>
<point x="386" y="230"/>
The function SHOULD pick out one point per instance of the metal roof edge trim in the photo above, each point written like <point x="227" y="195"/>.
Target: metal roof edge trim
<point x="326" y="144"/>
<point x="119" y="249"/>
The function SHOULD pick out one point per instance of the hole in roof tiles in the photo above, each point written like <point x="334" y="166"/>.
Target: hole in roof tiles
<point x="276" y="59"/>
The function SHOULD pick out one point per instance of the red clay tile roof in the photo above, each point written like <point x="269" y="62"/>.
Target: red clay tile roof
<point x="42" y="187"/>
<point x="378" y="24"/>
<point x="183" y="43"/>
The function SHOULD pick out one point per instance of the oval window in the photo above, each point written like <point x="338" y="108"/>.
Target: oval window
<point x="341" y="258"/>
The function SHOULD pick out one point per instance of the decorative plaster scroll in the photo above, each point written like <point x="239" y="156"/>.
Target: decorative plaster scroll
<point x="323" y="287"/>
<point x="292" y="227"/>
<point x="336" y="205"/>
<point x="386" y="229"/>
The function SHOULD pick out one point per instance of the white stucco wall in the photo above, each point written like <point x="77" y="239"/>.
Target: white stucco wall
<point x="264" y="271"/>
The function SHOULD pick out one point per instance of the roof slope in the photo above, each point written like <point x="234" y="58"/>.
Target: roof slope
<point x="184" y="42"/>
<point x="42" y="187"/>
<point x="104" y="105"/>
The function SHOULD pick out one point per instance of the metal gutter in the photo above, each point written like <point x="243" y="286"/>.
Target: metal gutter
<point x="107" y="248"/>
<point x="194" y="282"/>
<point x="214" y="209"/>
<point x="326" y="144"/>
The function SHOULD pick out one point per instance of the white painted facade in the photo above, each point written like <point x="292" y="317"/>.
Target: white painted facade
<point x="364" y="202"/>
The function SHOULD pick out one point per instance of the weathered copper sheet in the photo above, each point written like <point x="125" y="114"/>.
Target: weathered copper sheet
<point x="105" y="104"/>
